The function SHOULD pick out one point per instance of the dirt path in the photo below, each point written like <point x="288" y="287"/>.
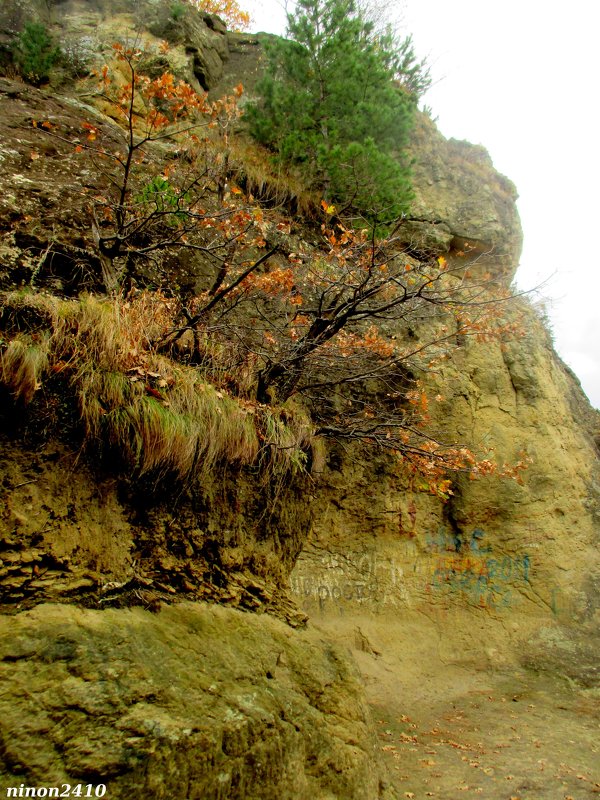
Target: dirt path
<point x="516" y="737"/>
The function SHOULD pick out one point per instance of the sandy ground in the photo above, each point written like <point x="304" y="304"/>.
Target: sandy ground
<point x="511" y="736"/>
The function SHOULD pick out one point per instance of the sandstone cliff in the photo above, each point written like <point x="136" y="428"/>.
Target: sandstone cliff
<point x="202" y="700"/>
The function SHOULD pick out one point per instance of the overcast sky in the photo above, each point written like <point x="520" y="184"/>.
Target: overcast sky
<point x="521" y="78"/>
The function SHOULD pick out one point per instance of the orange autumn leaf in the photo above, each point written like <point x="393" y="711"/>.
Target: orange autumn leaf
<point x="230" y="11"/>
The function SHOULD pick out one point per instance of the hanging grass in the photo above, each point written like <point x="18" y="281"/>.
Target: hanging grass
<point x="22" y="365"/>
<point x="145" y="412"/>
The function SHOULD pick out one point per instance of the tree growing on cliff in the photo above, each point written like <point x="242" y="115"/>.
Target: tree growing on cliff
<point x="348" y="328"/>
<point x="334" y="104"/>
<point x="35" y="53"/>
<point x="151" y="208"/>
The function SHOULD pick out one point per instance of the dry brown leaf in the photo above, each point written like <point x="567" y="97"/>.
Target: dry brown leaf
<point x="407" y="738"/>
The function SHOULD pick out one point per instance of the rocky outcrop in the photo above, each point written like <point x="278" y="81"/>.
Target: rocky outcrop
<point x="501" y="572"/>
<point x="197" y="702"/>
<point x="206" y="701"/>
<point x="463" y="208"/>
<point x="72" y="534"/>
<point x="512" y="569"/>
<point x="86" y="29"/>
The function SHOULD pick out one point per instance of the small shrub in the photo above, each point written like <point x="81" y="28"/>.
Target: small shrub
<point x="78" y="54"/>
<point x="159" y="197"/>
<point x="177" y="11"/>
<point x="35" y="53"/>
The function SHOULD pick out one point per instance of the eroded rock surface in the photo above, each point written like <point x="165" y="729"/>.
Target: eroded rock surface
<point x="86" y="30"/>
<point x="501" y="572"/>
<point x="196" y="702"/>
<point x="200" y="701"/>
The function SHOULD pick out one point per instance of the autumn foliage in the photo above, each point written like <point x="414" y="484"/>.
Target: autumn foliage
<point x="151" y="206"/>
<point x="229" y="10"/>
<point x="347" y="328"/>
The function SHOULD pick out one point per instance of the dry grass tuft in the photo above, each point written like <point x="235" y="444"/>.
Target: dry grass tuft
<point x="268" y="182"/>
<point x="286" y="433"/>
<point x="185" y="430"/>
<point x="143" y="410"/>
<point x="22" y="365"/>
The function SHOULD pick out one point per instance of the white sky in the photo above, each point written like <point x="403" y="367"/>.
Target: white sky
<point x="521" y="78"/>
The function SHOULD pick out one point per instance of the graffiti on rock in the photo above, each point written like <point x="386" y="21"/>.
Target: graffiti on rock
<point x="352" y="577"/>
<point x="474" y="570"/>
<point x="441" y="566"/>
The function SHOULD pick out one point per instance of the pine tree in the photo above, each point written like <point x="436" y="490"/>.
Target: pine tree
<point x="334" y="104"/>
<point x="35" y="53"/>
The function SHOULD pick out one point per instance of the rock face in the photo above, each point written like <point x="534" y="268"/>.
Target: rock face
<point x="197" y="702"/>
<point x="86" y="29"/>
<point x="463" y="208"/>
<point x="205" y="701"/>
<point x="511" y="571"/>
<point x="71" y="534"/>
